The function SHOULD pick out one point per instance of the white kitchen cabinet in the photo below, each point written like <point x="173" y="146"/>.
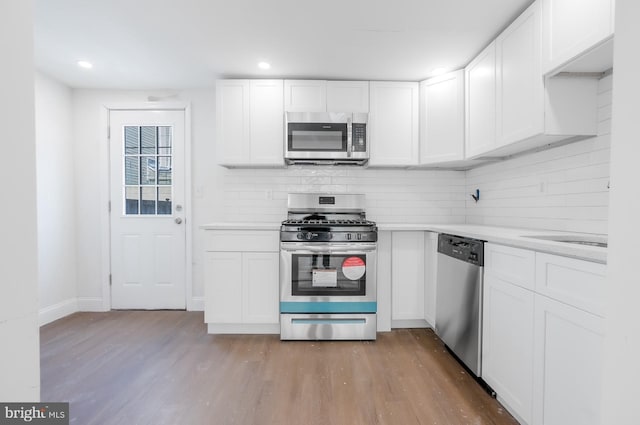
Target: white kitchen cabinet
<point x="407" y="279"/>
<point x="241" y="281"/>
<point x="305" y="95"/>
<point x="393" y="123"/>
<point x="430" y="276"/>
<point x="249" y="122"/>
<point x="326" y="96"/>
<point x="480" y="103"/>
<point x="507" y="344"/>
<point x="348" y="96"/>
<point x="569" y="345"/>
<point x="529" y="110"/>
<point x="543" y="335"/>
<point x="577" y="35"/>
<point x="442" y="118"/>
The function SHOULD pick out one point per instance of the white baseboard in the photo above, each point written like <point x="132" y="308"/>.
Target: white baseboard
<point x="232" y="328"/>
<point x="197" y="304"/>
<point x="412" y="323"/>
<point x="90" y="304"/>
<point x="57" y="311"/>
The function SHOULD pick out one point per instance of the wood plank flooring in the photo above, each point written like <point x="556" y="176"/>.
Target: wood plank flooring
<point x="161" y="367"/>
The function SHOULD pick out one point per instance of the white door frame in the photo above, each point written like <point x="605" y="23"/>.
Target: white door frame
<point x="105" y="194"/>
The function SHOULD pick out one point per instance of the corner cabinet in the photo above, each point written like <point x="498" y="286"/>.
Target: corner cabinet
<point x="241" y="281"/>
<point x="442" y="118"/>
<point x="393" y="124"/>
<point x="249" y="123"/>
<point x="577" y="35"/>
<point x="543" y="335"/>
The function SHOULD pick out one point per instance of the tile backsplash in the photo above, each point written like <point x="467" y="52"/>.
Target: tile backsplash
<point x="393" y="196"/>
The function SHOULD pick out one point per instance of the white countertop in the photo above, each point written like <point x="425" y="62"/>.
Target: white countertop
<point x="513" y="237"/>
<point x="500" y="235"/>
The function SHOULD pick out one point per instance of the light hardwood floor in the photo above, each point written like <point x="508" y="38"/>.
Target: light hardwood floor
<point x="161" y="367"/>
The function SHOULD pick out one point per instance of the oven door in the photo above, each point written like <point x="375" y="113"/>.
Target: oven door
<point x="322" y="273"/>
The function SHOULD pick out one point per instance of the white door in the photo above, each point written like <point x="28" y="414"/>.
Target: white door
<point x="148" y="239"/>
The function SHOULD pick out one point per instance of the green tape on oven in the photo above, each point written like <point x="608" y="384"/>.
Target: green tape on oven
<point x="328" y="306"/>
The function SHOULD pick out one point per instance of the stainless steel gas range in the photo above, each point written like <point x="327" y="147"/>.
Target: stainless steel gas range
<point x="327" y="269"/>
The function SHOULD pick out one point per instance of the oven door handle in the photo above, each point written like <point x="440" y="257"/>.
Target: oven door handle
<point x="327" y="248"/>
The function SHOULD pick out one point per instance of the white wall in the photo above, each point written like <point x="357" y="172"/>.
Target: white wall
<point x="622" y="369"/>
<point x="56" y="201"/>
<point x="563" y="188"/>
<point x="19" y="333"/>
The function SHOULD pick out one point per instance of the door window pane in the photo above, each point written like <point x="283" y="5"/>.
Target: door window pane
<point x="148" y="205"/>
<point x="164" y="200"/>
<point x="147" y="170"/>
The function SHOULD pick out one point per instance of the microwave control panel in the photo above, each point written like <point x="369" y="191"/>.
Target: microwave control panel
<point x="359" y="137"/>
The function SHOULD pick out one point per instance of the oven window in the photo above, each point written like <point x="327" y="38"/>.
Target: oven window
<point x="328" y="274"/>
<point x="317" y="137"/>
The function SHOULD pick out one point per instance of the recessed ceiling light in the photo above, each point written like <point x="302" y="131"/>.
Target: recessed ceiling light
<point x="264" y="65"/>
<point x="438" y="71"/>
<point x="84" y="64"/>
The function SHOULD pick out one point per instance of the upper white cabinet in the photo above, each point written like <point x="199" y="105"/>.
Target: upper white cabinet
<point x="480" y="102"/>
<point x="326" y="96"/>
<point x="511" y="108"/>
<point x="348" y="96"/>
<point x="393" y="123"/>
<point x="442" y="118"/>
<point x="249" y="122"/>
<point x="305" y="95"/>
<point x="577" y="35"/>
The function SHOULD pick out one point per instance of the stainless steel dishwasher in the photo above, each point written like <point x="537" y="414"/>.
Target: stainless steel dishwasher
<point x="459" y="298"/>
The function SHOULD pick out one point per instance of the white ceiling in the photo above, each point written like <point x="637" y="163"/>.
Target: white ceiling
<point x="142" y="44"/>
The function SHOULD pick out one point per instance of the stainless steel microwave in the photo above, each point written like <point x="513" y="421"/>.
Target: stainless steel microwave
<point x="326" y="138"/>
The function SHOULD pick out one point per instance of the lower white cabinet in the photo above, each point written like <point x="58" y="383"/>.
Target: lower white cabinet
<point x="507" y="338"/>
<point x="407" y="279"/>
<point x="543" y="335"/>
<point x="567" y="371"/>
<point x="241" y="282"/>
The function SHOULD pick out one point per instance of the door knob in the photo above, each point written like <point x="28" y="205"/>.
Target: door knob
<point x="178" y="220"/>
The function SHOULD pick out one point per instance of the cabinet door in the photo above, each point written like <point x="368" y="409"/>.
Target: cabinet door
<point x="260" y="287"/>
<point x="232" y="121"/>
<point x="572" y="27"/>
<point x="393" y="123"/>
<point x="223" y="287"/>
<point x="407" y="276"/>
<point x="507" y="344"/>
<point x="347" y="96"/>
<point x="519" y="84"/>
<point x="567" y="371"/>
<point x="267" y="122"/>
<point x="305" y="95"/>
<point x="442" y="118"/>
<point x="480" y="102"/>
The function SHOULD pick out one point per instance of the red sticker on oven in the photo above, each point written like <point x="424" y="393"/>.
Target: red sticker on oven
<point x="353" y="268"/>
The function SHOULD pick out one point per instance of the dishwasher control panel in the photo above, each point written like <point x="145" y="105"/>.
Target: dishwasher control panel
<point x="461" y="248"/>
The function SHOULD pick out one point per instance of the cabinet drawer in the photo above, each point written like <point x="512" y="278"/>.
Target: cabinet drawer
<point x="514" y="265"/>
<point x="242" y="240"/>
<point x="575" y="282"/>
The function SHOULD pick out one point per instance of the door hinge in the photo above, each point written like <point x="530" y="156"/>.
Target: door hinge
<point x="110" y="279"/>
<point x="108" y="133"/>
<point x="109" y="206"/>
